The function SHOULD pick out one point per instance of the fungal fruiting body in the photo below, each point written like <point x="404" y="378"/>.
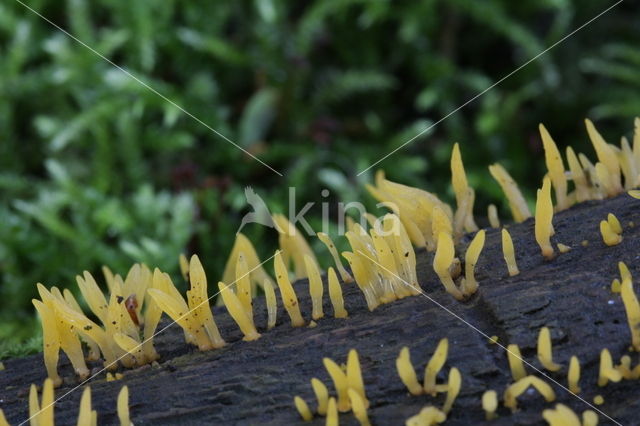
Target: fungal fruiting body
<point x="632" y="308"/>
<point x="442" y="261"/>
<point x="3" y="419"/>
<point x="492" y="214"/>
<point x="607" y="156"/>
<point x="543" y="219"/>
<point x="490" y="404"/>
<point x="335" y="294"/>
<point x="359" y="407"/>
<point x="515" y="362"/>
<point x="545" y="351"/>
<point x="243" y="285"/>
<point x="469" y="283"/>
<point x="340" y="382"/>
<point x="582" y="191"/>
<point x="257" y="274"/>
<point x="322" y="395"/>
<point x="326" y="240"/>
<point x="293" y="246"/>
<point x="561" y="415"/>
<point x="287" y="293"/>
<point x="316" y="288"/>
<point x="123" y="407"/>
<point x="509" y="253"/>
<point x="574" y="375"/>
<point x="556" y="168"/>
<point x="362" y="278"/>
<point x="198" y="302"/>
<point x="434" y="366"/>
<point x="614" y="223"/>
<point x="354" y="376"/>
<point x="464" y="193"/>
<point x="303" y="409"/>
<point x="332" y="413"/>
<point x="40" y="412"/>
<point x="428" y="416"/>
<point x="50" y="341"/>
<point x="609" y="236"/>
<point x="453" y="389"/>
<point x="517" y="203"/>
<point x="238" y="312"/>
<point x="520" y="386"/>
<point x="86" y="415"/>
<point x="407" y="373"/>
<point x="607" y="371"/>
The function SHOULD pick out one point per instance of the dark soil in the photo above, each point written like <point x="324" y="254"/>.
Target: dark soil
<point x="249" y="383"/>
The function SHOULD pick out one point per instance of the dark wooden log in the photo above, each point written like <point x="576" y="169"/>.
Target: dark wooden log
<point x="254" y="382"/>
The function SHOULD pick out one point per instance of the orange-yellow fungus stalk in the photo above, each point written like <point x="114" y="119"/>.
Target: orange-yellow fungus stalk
<point x="199" y="304"/>
<point x="322" y="395"/>
<point x="509" y="253"/>
<point x="490" y="404"/>
<point x="316" y="288"/>
<point x="3" y="419"/>
<point x="614" y="223"/>
<point x="440" y="222"/>
<point x="562" y="248"/>
<point x="86" y="416"/>
<point x="50" y="341"/>
<point x="243" y="285"/>
<point x="287" y="293"/>
<point x="606" y="155"/>
<point x="492" y="214"/>
<point x="326" y="240"/>
<point x="434" y="366"/>
<point x="123" y="407"/>
<point x="582" y="191"/>
<point x="354" y="375"/>
<point x="130" y="346"/>
<point x="258" y="274"/>
<point x="604" y="180"/>
<point x="293" y="245"/>
<point x="517" y="203"/>
<point x="632" y="308"/>
<point x="545" y="355"/>
<point x="469" y="283"/>
<point x="609" y="237"/>
<point x="461" y="189"/>
<point x="184" y="266"/>
<point x="335" y="294"/>
<point x="634" y="193"/>
<point x="574" y="375"/>
<point x="518" y="388"/>
<point x="93" y="295"/>
<point x="272" y="304"/>
<point x="543" y="219"/>
<point x="340" y="382"/>
<point x="363" y="279"/>
<point x="515" y="362"/>
<point x="407" y="373"/>
<point x="332" y="413"/>
<point x="561" y="415"/>
<point x="443" y="259"/>
<point x="607" y="371"/>
<point x="238" y="313"/>
<point x="589" y="418"/>
<point x="359" y="407"/>
<point x="556" y="168"/>
<point x="428" y="416"/>
<point x="303" y="409"/>
<point x="453" y="389"/>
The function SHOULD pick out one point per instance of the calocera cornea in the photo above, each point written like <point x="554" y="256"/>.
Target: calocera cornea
<point x="340" y="382"/>
<point x="614" y="223"/>
<point x="123" y="407"/>
<point x="86" y="415"/>
<point x="561" y="415"/>
<point x="243" y="285"/>
<point x="258" y="274"/>
<point x="272" y="304"/>
<point x="50" y="341"/>
<point x="303" y="408"/>
<point x="606" y="155"/>
<point x="609" y="236"/>
<point x="332" y="413"/>
<point x="428" y="416"/>
<point x="490" y="404"/>
<point x="583" y="190"/>
<point x="607" y="371"/>
<point x="573" y="376"/>
<point x="287" y="293"/>
<point x="328" y="242"/>
<point x="359" y="407"/>
<point x="545" y="355"/>
<point x="492" y="214"/>
<point x="354" y="376"/>
<point x="519" y="387"/>
<point x="509" y="253"/>
<point x="453" y="389"/>
<point x="362" y="278"/>
<point x="407" y="373"/>
<point x="543" y="219"/>
<point x="237" y="311"/>
<point x="555" y="167"/>
<point x="293" y="245"/>
<point x="40" y="411"/>
<point x="322" y="395"/>
<point x="198" y="302"/>
<point x="335" y="295"/>
<point x="443" y="259"/>
<point x="434" y="366"/>
<point x="632" y="308"/>
<point x="464" y="193"/>
<point x="316" y="289"/>
<point x="469" y="282"/>
<point x="517" y="203"/>
<point x="515" y="362"/>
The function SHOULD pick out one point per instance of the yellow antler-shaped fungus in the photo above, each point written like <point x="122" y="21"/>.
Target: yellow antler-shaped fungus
<point x="407" y="373"/>
<point x="556" y="168"/>
<point x="607" y="371"/>
<point x="287" y="293"/>
<point x="519" y="387"/>
<point x="322" y="395"/>
<point x="490" y="404"/>
<point x="238" y="313"/>
<point x="443" y="259"/>
<point x="335" y="294"/>
<point x="632" y="308"/>
<point x="303" y="409"/>
<point x="316" y="288"/>
<point x="469" y="283"/>
<point x="453" y="389"/>
<point x="545" y="355"/>
<point x="517" y="203"/>
<point x="340" y="382"/>
<point x="515" y="362"/>
<point x="434" y="366"/>
<point x="509" y="253"/>
<point x="573" y="377"/>
<point x="326" y="240"/>
<point x="543" y="219"/>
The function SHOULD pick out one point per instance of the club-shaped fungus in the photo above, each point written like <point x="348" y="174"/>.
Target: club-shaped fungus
<point x="340" y="382"/>
<point x="434" y="366"/>
<point x="519" y="387"/>
<point x="469" y="283"/>
<point x="515" y="362"/>
<point x="243" y="285"/>
<point x="303" y="409"/>
<point x="543" y="219"/>
<point x="316" y="288"/>
<point x="443" y="259"/>
<point x="635" y="193"/>
<point x="123" y="407"/>
<point x="407" y="373"/>
<point x="199" y="302"/>
<point x="293" y="245"/>
<point x="86" y="415"/>
<point x="490" y="404"/>
<point x="561" y="415"/>
<point x="332" y="413"/>
<point x="322" y="395"/>
<point x="3" y="419"/>
<point x="573" y="377"/>
<point x="354" y="375"/>
<point x="326" y="240"/>
<point x="50" y="341"/>
<point x="453" y="389"/>
<point x="614" y="223"/>
<point x="428" y="416"/>
<point x="545" y="355"/>
<point x="492" y="214"/>
<point x="362" y="278"/>
<point x="555" y="167"/>
<point x="609" y="237"/>
<point x="335" y="294"/>
<point x="287" y="293"/>
<point x="272" y="304"/>
<point x="517" y="203"/>
<point x="582" y="191"/>
<point x="184" y="266"/>
<point x="589" y="418"/>
<point x="625" y="368"/>
<point x="359" y="407"/>
<point x="238" y="313"/>
<point x="258" y="274"/>
<point x="40" y="412"/>
<point x="598" y="400"/>
<point x="461" y="188"/>
<point x="606" y="155"/>
<point x="509" y="253"/>
<point x="562" y="248"/>
<point x="130" y="346"/>
<point x="632" y="308"/>
<point x="607" y="371"/>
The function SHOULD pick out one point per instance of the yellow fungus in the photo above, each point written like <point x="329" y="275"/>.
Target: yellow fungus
<point x="86" y="416"/>
<point x="634" y="193"/>
<point x="354" y="375"/>
<point x="543" y="219"/>
<point x="561" y="415"/>
<point x="515" y="362"/>
<point x="469" y="283"/>
<point x="607" y="371"/>
<point x="428" y="416"/>
<point x="243" y="285"/>
<point x="606" y="155"/>
<point x="519" y="387"/>
<point x="258" y="274"/>
<point x="440" y="222"/>
<point x="442" y="261"/>
<point x="632" y="308"/>
<point x="34" y="405"/>
<point x="153" y="313"/>
<point x="574" y="374"/>
<point x="326" y="240"/>
<point x="609" y="237"/>
<point x="556" y="168"/>
<point x="407" y="373"/>
<point x="335" y="294"/>
<point x="362" y="278"/>
<point x="545" y="355"/>
<point x="340" y="382"/>
<point x="316" y="288"/>
<point x="584" y="243"/>
<point x="598" y="400"/>
<point x="563" y="248"/>
<point x="493" y="340"/>
<point x="359" y="407"/>
<point x="93" y="295"/>
<point x="50" y="341"/>
<point x="184" y="266"/>
<point x="272" y="304"/>
<point x="453" y="389"/>
<point x="332" y="413"/>
<point x="322" y="395"/>
<point x="625" y="367"/>
<point x="237" y="312"/>
<point x="303" y="409"/>
<point x="614" y="223"/>
<point x="509" y="253"/>
<point x="589" y="418"/>
<point x="198" y="302"/>
<point x="293" y="245"/>
<point x="130" y="346"/>
<point x="461" y="188"/>
<point x="287" y="293"/>
<point x="3" y="419"/>
<point x="583" y="192"/>
<point x="434" y="366"/>
<point x="492" y="213"/>
<point x="490" y="404"/>
<point x="517" y="203"/>
<point x="123" y="407"/>
<point x="41" y="412"/>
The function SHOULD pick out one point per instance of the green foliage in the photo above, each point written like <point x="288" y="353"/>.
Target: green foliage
<point x="97" y="169"/>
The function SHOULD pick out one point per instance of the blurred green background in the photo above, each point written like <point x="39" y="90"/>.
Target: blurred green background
<point x="96" y="169"/>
